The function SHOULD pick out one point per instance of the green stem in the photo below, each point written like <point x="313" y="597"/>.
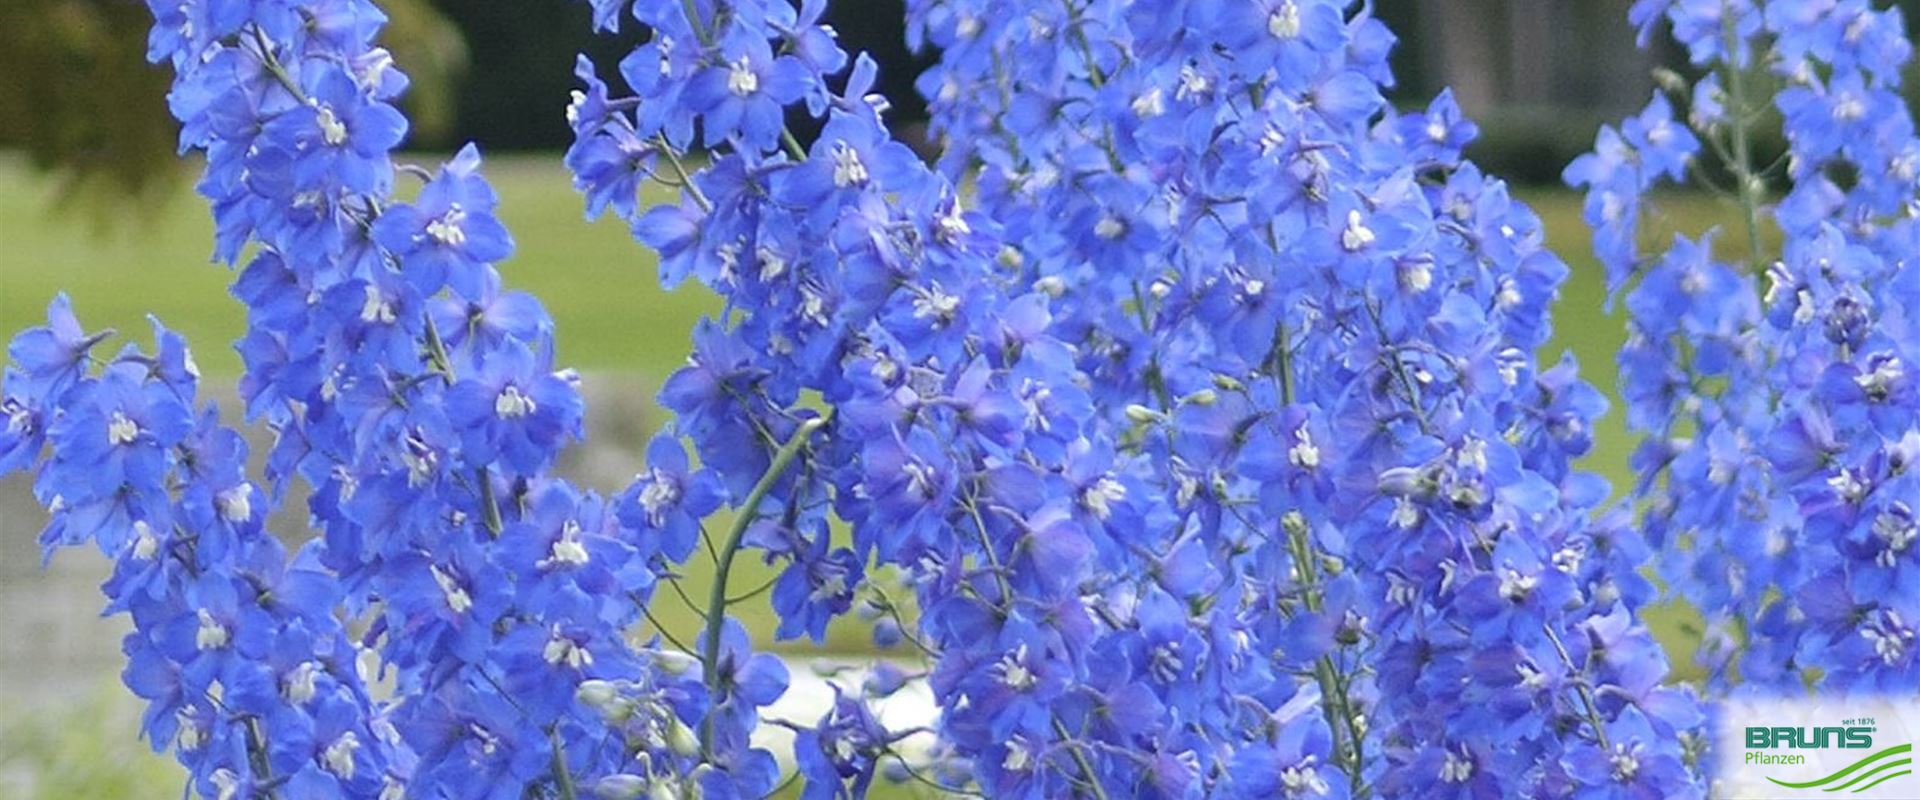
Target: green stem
<point x="717" y="599"/>
<point x="1335" y="702"/>
<point x="562" y="777"/>
<point x="257" y="755"/>
<point x="1586" y="695"/>
<point x="1749" y="188"/>
<point x="1079" y="759"/>
<point x="1333" y="687"/>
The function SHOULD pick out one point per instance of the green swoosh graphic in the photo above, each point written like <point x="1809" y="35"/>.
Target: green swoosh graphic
<point x="1882" y="780"/>
<point x="1848" y="770"/>
<point x="1884" y="766"/>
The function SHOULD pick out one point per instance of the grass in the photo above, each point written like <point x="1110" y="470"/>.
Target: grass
<point x="600" y="287"/>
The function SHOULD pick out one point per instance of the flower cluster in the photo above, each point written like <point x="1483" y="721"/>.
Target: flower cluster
<point x="1206" y="433"/>
<point x="1198" y="450"/>
<point x="430" y="641"/>
<point x="1778" y="470"/>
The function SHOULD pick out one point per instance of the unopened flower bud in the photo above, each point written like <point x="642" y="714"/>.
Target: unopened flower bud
<point x="1142" y="415"/>
<point x="1400" y="482"/>
<point x="673" y="663"/>
<point x="1669" y="81"/>
<point x="604" y="698"/>
<point x="620" y="787"/>
<point x="1294" y="523"/>
<point x="680" y="738"/>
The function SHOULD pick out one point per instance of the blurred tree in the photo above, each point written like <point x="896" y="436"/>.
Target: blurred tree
<point x="78" y="97"/>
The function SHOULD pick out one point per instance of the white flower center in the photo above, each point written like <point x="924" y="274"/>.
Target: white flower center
<point x="236" y="504"/>
<point x="1013" y="672"/>
<point x="953" y="224"/>
<point x="1018" y="758"/>
<point x="1165" y="666"/>
<point x="1848" y="486"/>
<point x="1848" y="107"/>
<point x="936" y="305"/>
<point x="848" y="170"/>
<point x="772" y="265"/>
<point x="376" y="308"/>
<point x="1897" y="532"/>
<point x="1509" y="295"/>
<point x="212" y="635"/>
<point x="1625" y="763"/>
<point x="1357" y="235"/>
<point x="1660" y="133"/>
<point x="1109" y="227"/>
<point x="1515" y="586"/>
<point x="1302" y="780"/>
<point x="191" y="734"/>
<point x="1100" y="497"/>
<point x="1416" y="276"/>
<point x="144" y="543"/>
<point x="919" y="479"/>
<point x="1473" y="454"/>
<point x="1880" y="381"/>
<point x="298" y="686"/>
<point x="567" y="550"/>
<point x="741" y="80"/>
<point x="834" y="585"/>
<point x="339" y="755"/>
<point x="1150" y="105"/>
<point x="332" y="130"/>
<point x="1284" y="22"/>
<point x="1529" y="676"/>
<point x="1405" y="513"/>
<point x="1456" y="769"/>
<point x="1889" y="637"/>
<point x="511" y="404"/>
<point x="562" y="650"/>
<point x="457" y="599"/>
<point x="661" y="496"/>
<point x="446" y="230"/>
<point x="1303" y="454"/>
<point x="121" y="430"/>
<point x="1192" y="83"/>
<point x="226" y="784"/>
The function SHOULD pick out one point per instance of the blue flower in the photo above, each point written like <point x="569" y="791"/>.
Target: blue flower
<point x="741" y="94"/>
<point x="342" y="135"/>
<point x="665" y="504"/>
<point x="444" y="236"/>
<point x="515" y="410"/>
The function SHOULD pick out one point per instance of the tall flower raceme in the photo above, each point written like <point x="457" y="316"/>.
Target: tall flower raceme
<point x="1211" y="444"/>
<point x="1219" y="200"/>
<point x="433" y="640"/>
<point x="1776" y="392"/>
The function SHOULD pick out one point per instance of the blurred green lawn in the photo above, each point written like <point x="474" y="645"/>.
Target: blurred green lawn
<point x="600" y="287"/>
